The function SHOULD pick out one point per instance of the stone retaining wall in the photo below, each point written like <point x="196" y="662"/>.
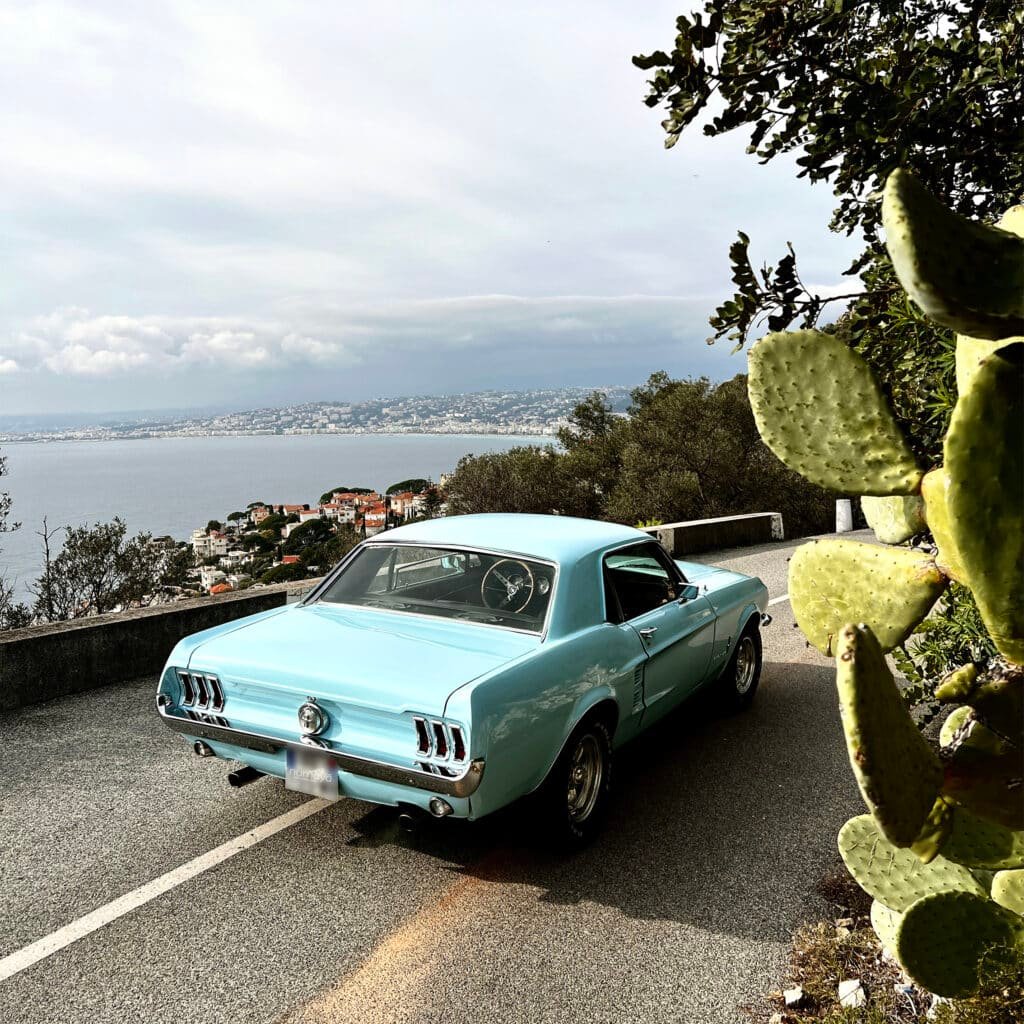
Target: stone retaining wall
<point x="42" y="662"/>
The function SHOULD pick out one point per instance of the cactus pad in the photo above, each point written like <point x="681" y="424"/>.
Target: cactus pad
<point x="894" y="876"/>
<point x="956" y="687"/>
<point x="886" y="922"/>
<point x="999" y="704"/>
<point x="987" y="782"/>
<point x="977" y="843"/>
<point x="934" y="832"/>
<point x="895" y="518"/>
<point x="953" y="724"/>
<point x="898" y="775"/>
<point x="942" y="938"/>
<point x="1008" y="890"/>
<point x="832" y="582"/>
<point x="984" y="451"/>
<point x="969" y="354"/>
<point x="819" y="408"/>
<point x="934" y="490"/>
<point x="938" y="255"/>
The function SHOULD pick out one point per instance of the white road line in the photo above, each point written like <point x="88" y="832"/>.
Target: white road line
<point x="776" y="600"/>
<point x="50" y="944"/>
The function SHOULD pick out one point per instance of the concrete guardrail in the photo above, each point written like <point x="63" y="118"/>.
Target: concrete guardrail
<point x="696" y="535"/>
<point x="39" y="663"/>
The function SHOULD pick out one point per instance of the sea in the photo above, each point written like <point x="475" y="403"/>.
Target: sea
<point x="174" y="485"/>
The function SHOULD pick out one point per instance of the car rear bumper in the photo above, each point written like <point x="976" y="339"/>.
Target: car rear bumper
<point x="462" y="785"/>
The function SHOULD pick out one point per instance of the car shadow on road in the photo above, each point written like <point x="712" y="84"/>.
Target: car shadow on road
<point x="723" y="822"/>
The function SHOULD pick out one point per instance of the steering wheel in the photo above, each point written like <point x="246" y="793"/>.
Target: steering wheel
<point x="507" y="586"/>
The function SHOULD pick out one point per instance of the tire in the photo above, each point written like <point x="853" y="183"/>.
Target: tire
<point x="738" y="683"/>
<point x="574" y="796"/>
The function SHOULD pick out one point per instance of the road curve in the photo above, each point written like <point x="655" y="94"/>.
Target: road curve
<point x="682" y="911"/>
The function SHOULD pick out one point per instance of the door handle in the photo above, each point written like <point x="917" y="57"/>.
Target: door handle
<point x="648" y="632"/>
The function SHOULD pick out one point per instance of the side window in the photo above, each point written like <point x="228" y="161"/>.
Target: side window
<point x="639" y="579"/>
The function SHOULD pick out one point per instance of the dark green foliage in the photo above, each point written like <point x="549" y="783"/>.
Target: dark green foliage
<point x="285" y="573"/>
<point x="914" y="360"/>
<point x="256" y="542"/>
<point x="235" y="516"/>
<point x="432" y="503"/>
<point x="316" y="531"/>
<point x="951" y="636"/>
<point x="13" y="614"/>
<point x="855" y="88"/>
<point x="326" y="496"/>
<point x="687" y="449"/>
<point x="273" y="523"/>
<point x="527" y="479"/>
<point x="101" y="568"/>
<point x="214" y="526"/>
<point x="416" y="484"/>
<point x="328" y="553"/>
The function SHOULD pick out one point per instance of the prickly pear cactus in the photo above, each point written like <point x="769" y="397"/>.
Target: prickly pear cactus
<point x="894" y="518"/>
<point x="942" y="938"/>
<point x="898" y="773"/>
<point x="894" y="876"/>
<point x="942" y="851"/>
<point x="819" y="408"/>
<point x="833" y="582"/>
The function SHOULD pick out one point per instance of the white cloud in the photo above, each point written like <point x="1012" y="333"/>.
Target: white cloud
<point x="76" y="343"/>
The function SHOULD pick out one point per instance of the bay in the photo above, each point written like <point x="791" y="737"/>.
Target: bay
<point x="173" y="485"/>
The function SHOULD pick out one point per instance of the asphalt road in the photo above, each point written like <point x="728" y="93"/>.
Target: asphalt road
<point x="681" y="912"/>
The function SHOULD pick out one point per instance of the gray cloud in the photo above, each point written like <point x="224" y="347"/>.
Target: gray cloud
<point x="257" y="201"/>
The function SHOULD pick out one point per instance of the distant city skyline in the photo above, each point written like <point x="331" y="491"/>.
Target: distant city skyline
<point x="537" y="411"/>
<point x="251" y="205"/>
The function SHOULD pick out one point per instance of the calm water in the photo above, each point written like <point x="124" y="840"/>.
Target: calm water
<point x="172" y="485"/>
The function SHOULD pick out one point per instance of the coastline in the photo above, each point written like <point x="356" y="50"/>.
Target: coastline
<point x="57" y="437"/>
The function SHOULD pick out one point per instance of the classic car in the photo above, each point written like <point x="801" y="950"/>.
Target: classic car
<point x="452" y="666"/>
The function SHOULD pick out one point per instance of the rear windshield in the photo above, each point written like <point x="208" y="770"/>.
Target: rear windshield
<point x="496" y="589"/>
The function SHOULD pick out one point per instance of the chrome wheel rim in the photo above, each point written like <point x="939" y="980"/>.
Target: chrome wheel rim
<point x="746" y="664"/>
<point x="586" y="771"/>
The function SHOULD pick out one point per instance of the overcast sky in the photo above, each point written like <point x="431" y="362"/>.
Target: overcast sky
<point x="236" y="204"/>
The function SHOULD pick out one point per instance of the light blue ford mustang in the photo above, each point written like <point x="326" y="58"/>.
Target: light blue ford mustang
<point x="451" y="666"/>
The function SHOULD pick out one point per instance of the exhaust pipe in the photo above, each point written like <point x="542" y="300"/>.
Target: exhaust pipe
<point x="243" y="776"/>
<point x="766" y="619"/>
<point x="202" y="749"/>
<point x="410" y="819"/>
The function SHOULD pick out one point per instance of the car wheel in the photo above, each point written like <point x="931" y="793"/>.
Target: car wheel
<point x="575" y="793"/>
<point x="738" y="682"/>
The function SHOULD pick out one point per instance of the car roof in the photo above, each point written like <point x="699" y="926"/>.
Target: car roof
<point x="555" y="538"/>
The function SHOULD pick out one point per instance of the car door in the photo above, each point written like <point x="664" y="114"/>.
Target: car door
<point x="673" y="620"/>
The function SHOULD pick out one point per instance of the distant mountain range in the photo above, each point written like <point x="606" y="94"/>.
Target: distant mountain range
<point x="536" y="412"/>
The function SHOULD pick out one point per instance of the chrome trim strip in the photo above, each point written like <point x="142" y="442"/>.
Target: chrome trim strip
<point x="459" y="786"/>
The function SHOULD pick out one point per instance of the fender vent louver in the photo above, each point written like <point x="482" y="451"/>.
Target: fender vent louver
<point x="638" y="687"/>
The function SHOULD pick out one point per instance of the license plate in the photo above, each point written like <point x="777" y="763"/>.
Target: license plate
<point x="313" y="773"/>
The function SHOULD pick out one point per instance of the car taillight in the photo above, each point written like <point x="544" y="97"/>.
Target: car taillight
<point x="438" y="740"/>
<point x="458" y="744"/>
<point x="422" y="736"/>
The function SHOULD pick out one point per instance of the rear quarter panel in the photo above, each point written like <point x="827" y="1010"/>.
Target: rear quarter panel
<point x="523" y="714"/>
